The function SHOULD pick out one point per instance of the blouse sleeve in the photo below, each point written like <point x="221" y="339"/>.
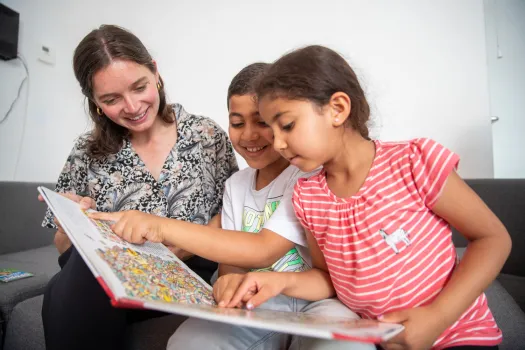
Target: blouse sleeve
<point x="73" y="178"/>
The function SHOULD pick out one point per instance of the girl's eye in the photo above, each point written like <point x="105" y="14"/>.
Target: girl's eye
<point x="288" y="127"/>
<point x="263" y="124"/>
<point x="236" y="125"/>
<point x="141" y="88"/>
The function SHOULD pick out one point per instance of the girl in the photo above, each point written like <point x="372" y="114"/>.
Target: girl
<point x="380" y="212"/>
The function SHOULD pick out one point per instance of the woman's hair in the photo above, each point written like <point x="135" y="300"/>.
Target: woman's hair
<point x="244" y="82"/>
<point x="315" y="73"/>
<point x="95" y="52"/>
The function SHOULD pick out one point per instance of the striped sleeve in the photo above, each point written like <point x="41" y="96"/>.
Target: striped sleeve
<point x="431" y="165"/>
<point x="298" y="205"/>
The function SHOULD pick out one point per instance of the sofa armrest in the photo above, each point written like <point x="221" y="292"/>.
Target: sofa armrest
<point x="21" y="216"/>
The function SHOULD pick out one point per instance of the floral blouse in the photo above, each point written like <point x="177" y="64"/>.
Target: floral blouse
<point x="191" y="182"/>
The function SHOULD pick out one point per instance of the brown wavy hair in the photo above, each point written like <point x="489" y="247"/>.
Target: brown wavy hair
<point x="315" y="73"/>
<point x="95" y="52"/>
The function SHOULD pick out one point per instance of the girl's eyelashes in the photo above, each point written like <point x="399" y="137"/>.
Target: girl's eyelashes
<point x="288" y="126"/>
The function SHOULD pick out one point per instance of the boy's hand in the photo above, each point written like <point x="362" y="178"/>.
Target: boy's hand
<point x="179" y="252"/>
<point x="133" y="226"/>
<point x="262" y="285"/>
<point x="226" y="286"/>
<point x="422" y="327"/>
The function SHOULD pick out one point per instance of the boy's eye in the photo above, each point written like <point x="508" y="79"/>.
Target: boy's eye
<point x="236" y="125"/>
<point x="288" y="126"/>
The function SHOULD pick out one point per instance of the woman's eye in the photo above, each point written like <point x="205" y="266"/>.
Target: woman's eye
<point x="236" y="125"/>
<point x="263" y="124"/>
<point x="141" y="88"/>
<point x="110" y="102"/>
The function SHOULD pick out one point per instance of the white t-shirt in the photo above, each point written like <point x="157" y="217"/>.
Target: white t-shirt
<point x="245" y="209"/>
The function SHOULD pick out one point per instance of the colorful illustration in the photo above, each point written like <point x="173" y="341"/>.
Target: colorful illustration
<point x="8" y="275"/>
<point x="149" y="277"/>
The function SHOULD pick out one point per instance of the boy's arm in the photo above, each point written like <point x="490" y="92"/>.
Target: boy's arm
<point x="226" y="269"/>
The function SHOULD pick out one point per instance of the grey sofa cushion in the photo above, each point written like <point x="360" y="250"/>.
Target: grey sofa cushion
<point x="509" y="317"/>
<point x="42" y="262"/>
<point x="25" y="330"/>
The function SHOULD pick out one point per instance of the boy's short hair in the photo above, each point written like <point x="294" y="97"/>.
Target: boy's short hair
<point x="244" y="82"/>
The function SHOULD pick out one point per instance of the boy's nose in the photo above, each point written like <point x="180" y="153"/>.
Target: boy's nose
<point x="250" y="134"/>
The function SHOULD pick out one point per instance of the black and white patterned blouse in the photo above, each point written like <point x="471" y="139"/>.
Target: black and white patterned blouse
<point x="191" y="182"/>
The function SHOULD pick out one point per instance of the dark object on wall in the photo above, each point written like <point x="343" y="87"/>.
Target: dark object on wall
<point x="9" y="23"/>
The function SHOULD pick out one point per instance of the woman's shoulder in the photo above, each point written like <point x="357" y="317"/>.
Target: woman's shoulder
<point x="197" y="126"/>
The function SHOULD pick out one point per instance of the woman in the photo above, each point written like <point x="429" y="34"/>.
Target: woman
<point x="142" y="154"/>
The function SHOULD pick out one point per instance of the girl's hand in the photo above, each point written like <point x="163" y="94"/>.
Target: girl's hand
<point x="422" y="327"/>
<point x="261" y="285"/>
<point x="226" y="286"/>
<point x="133" y="226"/>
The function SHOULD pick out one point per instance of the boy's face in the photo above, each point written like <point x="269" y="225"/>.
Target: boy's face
<point x="249" y="134"/>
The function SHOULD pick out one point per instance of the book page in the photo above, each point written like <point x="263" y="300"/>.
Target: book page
<point x="149" y="272"/>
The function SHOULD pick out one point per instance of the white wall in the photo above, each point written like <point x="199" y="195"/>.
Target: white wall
<point x="422" y="62"/>
<point x="505" y="27"/>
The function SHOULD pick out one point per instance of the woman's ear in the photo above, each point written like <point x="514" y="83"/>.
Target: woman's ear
<point x="340" y="106"/>
<point x="156" y="70"/>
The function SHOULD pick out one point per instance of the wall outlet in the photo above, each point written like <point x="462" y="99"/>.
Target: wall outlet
<point x="47" y="55"/>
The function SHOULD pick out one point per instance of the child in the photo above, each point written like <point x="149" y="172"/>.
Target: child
<point x="380" y="212"/>
<point x="257" y="200"/>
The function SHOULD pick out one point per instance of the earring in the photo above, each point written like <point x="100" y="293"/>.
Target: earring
<point x="336" y="120"/>
<point x="159" y="85"/>
<point x="99" y="111"/>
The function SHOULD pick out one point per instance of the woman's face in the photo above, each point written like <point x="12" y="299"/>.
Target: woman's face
<point x="127" y="93"/>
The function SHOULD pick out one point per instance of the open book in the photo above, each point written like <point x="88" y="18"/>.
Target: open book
<point x="150" y="276"/>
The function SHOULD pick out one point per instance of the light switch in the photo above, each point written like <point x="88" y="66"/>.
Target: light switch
<point x="47" y="55"/>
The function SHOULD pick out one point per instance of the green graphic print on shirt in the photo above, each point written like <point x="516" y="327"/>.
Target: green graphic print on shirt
<point x="253" y="220"/>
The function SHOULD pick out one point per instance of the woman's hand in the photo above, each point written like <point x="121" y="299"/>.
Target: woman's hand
<point x="61" y="240"/>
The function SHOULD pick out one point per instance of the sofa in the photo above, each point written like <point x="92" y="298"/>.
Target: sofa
<point x="26" y="246"/>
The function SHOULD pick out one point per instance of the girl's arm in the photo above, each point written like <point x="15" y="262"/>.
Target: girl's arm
<point x="243" y="249"/>
<point x="314" y="284"/>
<point x="488" y="248"/>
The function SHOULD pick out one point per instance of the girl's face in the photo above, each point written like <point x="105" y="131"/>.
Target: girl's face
<point x="127" y="94"/>
<point x="303" y="133"/>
